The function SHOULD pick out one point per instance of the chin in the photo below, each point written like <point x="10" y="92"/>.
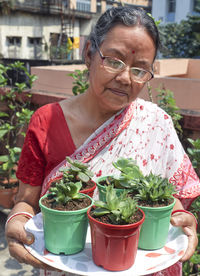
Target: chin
<point x="117" y="107"/>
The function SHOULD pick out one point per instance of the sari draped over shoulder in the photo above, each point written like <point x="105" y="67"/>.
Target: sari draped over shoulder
<point x="144" y="132"/>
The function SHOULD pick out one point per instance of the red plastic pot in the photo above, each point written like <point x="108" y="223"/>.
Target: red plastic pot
<point x="114" y="247"/>
<point x="88" y="192"/>
<point x="7" y="197"/>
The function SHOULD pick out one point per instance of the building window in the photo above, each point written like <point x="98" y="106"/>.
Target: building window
<point x="196" y="5"/>
<point x="35" y="45"/>
<point x="83" y="5"/>
<point x="108" y="6"/>
<point x="171" y="10"/>
<point x="14" y="46"/>
<point x="98" y="6"/>
<point x="14" y="41"/>
<point x="171" y="6"/>
<point x="35" y="41"/>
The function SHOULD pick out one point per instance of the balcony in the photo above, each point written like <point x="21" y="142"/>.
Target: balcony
<point x="84" y="6"/>
<point x="53" y="7"/>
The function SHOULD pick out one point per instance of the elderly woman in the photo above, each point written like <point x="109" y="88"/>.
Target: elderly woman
<point x="104" y="123"/>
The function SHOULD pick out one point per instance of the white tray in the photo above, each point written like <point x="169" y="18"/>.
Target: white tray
<point x="146" y="261"/>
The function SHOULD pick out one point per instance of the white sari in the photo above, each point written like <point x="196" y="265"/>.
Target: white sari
<point x="145" y="133"/>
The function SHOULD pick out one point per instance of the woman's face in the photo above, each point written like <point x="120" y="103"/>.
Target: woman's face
<point x="135" y="48"/>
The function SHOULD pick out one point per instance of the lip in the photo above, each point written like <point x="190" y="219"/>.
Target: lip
<point x="118" y="92"/>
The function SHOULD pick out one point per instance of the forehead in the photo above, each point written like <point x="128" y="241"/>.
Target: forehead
<point x="128" y="39"/>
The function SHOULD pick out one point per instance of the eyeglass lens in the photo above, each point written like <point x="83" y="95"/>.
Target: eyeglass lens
<point x="114" y="65"/>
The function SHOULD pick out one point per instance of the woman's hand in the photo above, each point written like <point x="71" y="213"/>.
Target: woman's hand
<point x="188" y="224"/>
<point x="16" y="237"/>
<point x="26" y="201"/>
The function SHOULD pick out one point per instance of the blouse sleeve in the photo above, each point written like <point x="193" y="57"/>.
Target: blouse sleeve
<point x="31" y="166"/>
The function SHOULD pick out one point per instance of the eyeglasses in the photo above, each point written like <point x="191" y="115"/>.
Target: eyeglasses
<point x="115" y="65"/>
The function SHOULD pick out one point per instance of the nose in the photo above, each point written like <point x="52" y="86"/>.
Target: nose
<point x="124" y="76"/>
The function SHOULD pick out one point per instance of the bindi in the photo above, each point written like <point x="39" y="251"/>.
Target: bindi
<point x="133" y="51"/>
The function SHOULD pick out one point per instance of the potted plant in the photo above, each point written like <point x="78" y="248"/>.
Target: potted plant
<point x="128" y="179"/>
<point x="115" y="228"/>
<point x="78" y="171"/>
<point x="15" y="113"/>
<point x="64" y="211"/>
<point x="155" y="198"/>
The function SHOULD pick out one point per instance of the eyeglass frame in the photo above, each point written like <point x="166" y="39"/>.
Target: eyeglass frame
<point x="103" y="58"/>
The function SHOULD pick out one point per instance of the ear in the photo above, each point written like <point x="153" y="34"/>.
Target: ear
<point x="87" y="54"/>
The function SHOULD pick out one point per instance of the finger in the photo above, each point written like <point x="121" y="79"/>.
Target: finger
<point x="188" y="225"/>
<point x="18" y="252"/>
<point x="192" y="244"/>
<point x="17" y="232"/>
<point x="181" y="220"/>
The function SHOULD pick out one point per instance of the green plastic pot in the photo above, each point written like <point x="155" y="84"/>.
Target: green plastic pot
<point x="102" y="189"/>
<point x="154" y="231"/>
<point x="64" y="231"/>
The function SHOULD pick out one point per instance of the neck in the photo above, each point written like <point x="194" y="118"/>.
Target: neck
<point x="91" y="107"/>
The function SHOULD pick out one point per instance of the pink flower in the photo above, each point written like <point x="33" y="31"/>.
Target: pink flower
<point x="166" y="117"/>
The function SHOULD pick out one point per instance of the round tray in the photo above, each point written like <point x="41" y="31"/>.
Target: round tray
<point x="146" y="262"/>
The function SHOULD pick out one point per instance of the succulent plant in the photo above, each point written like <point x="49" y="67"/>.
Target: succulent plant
<point x="129" y="177"/>
<point x="72" y="181"/>
<point x="149" y="188"/>
<point x="120" y="208"/>
<point x="154" y="188"/>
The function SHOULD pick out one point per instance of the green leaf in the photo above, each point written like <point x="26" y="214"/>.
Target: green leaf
<point x="83" y="177"/>
<point x="4" y="158"/>
<point x="195" y="259"/>
<point x="3" y="132"/>
<point x="100" y="212"/>
<point x="3" y="114"/>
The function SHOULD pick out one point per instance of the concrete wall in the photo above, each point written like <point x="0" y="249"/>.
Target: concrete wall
<point x="182" y="77"/>
<point x="186" y="91"/>
<point x="54" y="80"/>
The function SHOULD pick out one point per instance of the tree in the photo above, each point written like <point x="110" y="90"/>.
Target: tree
<point x="183" y="39"/>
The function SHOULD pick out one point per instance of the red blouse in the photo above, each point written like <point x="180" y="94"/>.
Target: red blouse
<point x="48" y="141"/>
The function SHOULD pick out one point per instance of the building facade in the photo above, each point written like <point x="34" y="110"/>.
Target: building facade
<point x="169" y="11"/>
<point x="53" y="30"/>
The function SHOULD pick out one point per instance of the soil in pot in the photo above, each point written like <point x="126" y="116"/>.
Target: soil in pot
<point x="8" y="192"/>
<point x="105" y="218"/>
<point x="71" y="205"/>
<point x="162" y="203"/>
<point x="87" y="185"/>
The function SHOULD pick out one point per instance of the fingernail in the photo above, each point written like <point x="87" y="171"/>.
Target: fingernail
<point x="29" y="238"/>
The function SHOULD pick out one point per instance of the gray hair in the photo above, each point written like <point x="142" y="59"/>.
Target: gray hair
<point x="128" y="16"/>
